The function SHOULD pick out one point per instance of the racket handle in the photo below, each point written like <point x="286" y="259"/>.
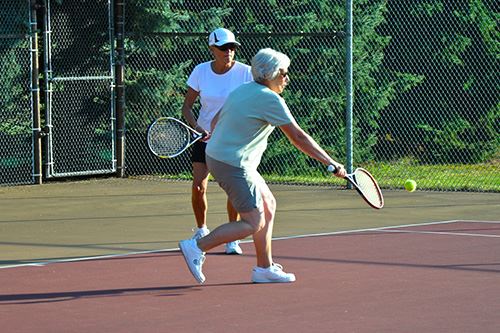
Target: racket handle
<point x="332" y="168"/>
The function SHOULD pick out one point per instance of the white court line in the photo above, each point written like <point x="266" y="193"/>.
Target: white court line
<point x="106" y="256"/>
<point x="362" y="230"/>
<point x="249" y="241"/>
<point x="479" y="221"/>
<point x="439" y="233"/>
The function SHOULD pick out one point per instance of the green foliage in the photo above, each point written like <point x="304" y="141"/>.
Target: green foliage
<point x="14" y="17"/>
<point x="163" y="98"/>
<point x="446" y="142"/>
<point x="146" y="16"/>
<point x="160" y="90"/>
<point x="451" y="114"/>
<point x="425" y="73"/>
<point x="14" y="117"/>
<point x="373" y="87"/>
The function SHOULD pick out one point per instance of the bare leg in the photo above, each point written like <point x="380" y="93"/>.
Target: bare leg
<point x="232" y="214"/>
<point x="262" y="239"/>
<point x="199" y="193"/>
<point x="257" y="222"/>
<point x="250" y="222"/>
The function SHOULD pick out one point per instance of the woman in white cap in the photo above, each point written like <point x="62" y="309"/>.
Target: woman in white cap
<point x="212" y="81"/>
<point x="233" y="156"/>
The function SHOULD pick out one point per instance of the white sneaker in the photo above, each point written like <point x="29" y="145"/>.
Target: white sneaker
<point x="234" y="248"/>
<point x="194" y="258"/>
<point x="200" y="233"/>
<point x="272" y="274"/>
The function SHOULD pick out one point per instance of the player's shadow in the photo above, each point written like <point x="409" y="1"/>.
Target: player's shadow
<point x="64" y="296"/>
<point x="474" y="267"/>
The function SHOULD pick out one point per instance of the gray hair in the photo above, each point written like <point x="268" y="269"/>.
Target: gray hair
<point x="267" y="63"/>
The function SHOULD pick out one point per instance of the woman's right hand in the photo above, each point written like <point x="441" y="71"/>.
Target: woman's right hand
<point x="339" y="170"/>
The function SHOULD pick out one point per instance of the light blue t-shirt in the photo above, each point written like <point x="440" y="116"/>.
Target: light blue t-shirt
<point x="246" y="120"/>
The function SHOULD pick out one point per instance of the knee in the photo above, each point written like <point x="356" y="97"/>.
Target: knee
<point x="257" y="224"/>
<point x="270" y="207"/>
<point x="199" y="188"/>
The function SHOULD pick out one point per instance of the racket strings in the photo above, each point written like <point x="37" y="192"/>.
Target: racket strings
<point x="167" y="138"/>
<point x="369" y="187"/>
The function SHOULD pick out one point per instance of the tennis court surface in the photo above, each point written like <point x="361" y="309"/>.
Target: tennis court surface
<point x="391" y="271"/>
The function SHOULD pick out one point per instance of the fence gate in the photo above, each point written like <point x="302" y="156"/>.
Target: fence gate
<point x="78" y="66"/>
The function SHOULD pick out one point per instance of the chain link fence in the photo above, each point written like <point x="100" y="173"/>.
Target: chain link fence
<point x="16" y="142"/>
<point x="79" y="91"/>
<point x="426" y="84"/>
<point x="439" y="118"/>
<point x="165" y="80"/>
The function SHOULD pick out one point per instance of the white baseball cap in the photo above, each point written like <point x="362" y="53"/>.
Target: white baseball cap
<point x="220" y="37"/>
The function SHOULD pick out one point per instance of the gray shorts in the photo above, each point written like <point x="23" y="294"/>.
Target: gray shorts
<point x="242" y="186"/>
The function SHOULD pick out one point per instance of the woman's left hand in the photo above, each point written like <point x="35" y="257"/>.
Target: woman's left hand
<point x="206" y="134"/>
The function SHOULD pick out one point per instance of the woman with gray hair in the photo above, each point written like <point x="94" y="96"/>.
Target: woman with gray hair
<point x="238" y="140"/>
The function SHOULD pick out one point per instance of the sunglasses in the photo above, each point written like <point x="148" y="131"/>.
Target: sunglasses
<point x="284" y="74"/>
<point x="225" y="47"/>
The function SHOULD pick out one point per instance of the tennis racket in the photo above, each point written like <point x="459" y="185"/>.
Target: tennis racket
<point x="366" y="186"/>
<point x="169" y="137"/>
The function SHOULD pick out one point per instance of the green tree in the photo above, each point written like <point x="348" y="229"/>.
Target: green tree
<point x="14" y="57"/>
<point x="168" y="38"/>
<point x="451" y="48"/>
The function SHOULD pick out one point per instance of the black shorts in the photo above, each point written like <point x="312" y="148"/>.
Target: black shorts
<point x="198" y="152"/>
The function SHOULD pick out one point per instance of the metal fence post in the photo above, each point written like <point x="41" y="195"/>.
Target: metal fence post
<point x="349" y="89"/>
<point x="119" y="84"/>
<point x="35" y="95"/>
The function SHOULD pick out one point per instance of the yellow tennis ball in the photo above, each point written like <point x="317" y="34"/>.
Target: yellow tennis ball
<point x="410" y="185"/>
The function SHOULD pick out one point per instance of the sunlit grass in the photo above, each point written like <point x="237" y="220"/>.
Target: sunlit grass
<point x="449" y="177"/>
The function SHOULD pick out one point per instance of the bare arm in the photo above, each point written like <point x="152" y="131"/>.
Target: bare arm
<point x="214" y="121"/>
<point x="187" y="108"/>
<point x="305" y="143"/>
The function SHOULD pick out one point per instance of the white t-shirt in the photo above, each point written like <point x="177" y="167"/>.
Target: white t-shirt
<point x="214" y="88"/>
<point x="248" y="117"/>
